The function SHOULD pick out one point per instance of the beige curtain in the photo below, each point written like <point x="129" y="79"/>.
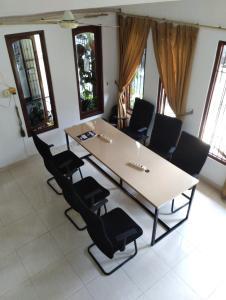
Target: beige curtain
<point x="133" y="34"/>
<point x="174" y="47"/>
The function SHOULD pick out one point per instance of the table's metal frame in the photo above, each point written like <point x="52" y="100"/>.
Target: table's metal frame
<point x="156" y="213"/>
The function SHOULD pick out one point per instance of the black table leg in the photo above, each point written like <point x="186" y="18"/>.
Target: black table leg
<point x="154" y="226"/>
<point x="67" y="141"/>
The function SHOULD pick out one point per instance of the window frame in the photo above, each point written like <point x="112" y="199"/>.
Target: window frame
<point x="212" y="83"/>
<point x="10" y="38"/>
<point x="96" y="30"/>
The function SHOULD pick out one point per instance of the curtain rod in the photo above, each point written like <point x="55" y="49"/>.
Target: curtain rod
<point x="176" y="22"/>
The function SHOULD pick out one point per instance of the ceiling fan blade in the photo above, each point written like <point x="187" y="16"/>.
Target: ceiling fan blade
<point x="94" y="16"/>
<point x="101" y="25"/>
<point x="20" y="22"/>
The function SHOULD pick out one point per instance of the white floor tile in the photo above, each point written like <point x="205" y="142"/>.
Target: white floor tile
<point x="173" y="249"/>
<point x="171" y="288"/>
<point x="146" y="270"/>
<point x="117" y="286"/>
<point x="200" y="273"/>
<point x="69" y="238"/>
<point x="12" y="273"/>
<point x="82" y="294"/>
<point x="219" y="293"/>
<point x="24" y="291"/>
<point x="22" y="232"/>
<point x="83" y="265"/>
<point x="52" y="215"/>
<point x="39" y="253"/>
<point x="56" y="282"/>
<point x="14" y="205"/>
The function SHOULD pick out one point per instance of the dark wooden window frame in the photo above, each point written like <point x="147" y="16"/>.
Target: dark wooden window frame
<point x="213" y="79"/>
<point x="99" y="69"/>
<point x="10" y="38"/>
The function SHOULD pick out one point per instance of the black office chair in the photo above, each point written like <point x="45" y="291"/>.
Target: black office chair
<point x="113" y="118"/>
<point x="110" y="232"/>
<point x="165" y="135"/>
<point x="190" y="156"/>
<point x="87" y="189"/>
<point x="67" y="162"/>
<point x="140" y="120"/>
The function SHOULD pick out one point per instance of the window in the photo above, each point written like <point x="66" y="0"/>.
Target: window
<point x="163" y="106"/>
<point x="136" y="87"/>
<point x="28" y="56"/>
<point x="88" y="62"/>
<point x="213" y="124"/>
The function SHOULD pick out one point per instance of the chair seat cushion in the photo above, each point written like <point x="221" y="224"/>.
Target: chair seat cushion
<point x="117" y="222"/>
<point x="134" y="134"/>
<point x="69" y="161"/>
<point x="91" y="192"/>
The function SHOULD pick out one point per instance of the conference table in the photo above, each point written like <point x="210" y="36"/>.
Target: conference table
<point x="158" y="181"/>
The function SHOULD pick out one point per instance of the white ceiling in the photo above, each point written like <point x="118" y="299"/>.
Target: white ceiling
<point x="26" y="7"/>
<point x="209" y="12"/>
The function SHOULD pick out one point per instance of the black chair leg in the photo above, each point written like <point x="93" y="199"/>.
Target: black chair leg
<point x="105" y="208"/>
<point x="80" y="173"/>
<point x="52" y="187"/>
<point x="72" y="221"/>
<point x="116" y="268"/>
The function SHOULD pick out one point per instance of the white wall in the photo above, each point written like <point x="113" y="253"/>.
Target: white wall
<point x="62" y="68"/>
<point x="202" y="65"/>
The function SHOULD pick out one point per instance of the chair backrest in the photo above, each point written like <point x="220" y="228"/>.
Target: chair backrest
<point x="190" y="154"/>
<point x="141" y="115"/>
<point x="96" y="230"/>
<point x="42" y="147"/>
<point x="95" y="225"/>
<point x="165" y="133"/>
<point x="63" y="182"/>
<point x="113" y="114"/>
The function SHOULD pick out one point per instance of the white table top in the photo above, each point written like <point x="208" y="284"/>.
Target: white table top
<point x="164" y="181"/>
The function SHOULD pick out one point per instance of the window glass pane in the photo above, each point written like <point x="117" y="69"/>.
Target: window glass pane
<point x="215" y="124"/>
<point x="163" y="103"/>
<point x="168" y="110"/>
<point x="136" y="89"/>
<point x="86" y="62"/>
<point x="21" y="68"/>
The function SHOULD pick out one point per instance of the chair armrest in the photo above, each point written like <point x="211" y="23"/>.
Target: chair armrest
<point x="170" y="153"/>
<point x="143" y="129"/>
<point x="172" y="149"/>
<point x="96" y="206"/>
<point x="122" y="237"/>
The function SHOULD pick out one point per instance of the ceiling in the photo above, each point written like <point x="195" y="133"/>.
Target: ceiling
<point x="25" y="7"/>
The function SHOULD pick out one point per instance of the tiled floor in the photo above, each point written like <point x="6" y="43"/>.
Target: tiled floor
<point x="43" y="257"/>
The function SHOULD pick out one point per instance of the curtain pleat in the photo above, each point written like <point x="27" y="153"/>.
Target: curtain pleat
<point x="133" y="34"/>
<point x="174" y="47"/>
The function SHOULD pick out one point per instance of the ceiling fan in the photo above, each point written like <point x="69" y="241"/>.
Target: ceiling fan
<point x="68" y="20"/>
